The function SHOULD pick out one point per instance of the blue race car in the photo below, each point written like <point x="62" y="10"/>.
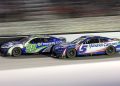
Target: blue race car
<point x="32" y="44"/>
<point x="87" y="45"/>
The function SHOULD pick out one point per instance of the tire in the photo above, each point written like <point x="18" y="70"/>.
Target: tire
<point x="51" y="50"/>
<point x="16" y="52"/>
<point x="52" y="53"/>
<point x="71" y="53"/>
<point x="110" y="50"/>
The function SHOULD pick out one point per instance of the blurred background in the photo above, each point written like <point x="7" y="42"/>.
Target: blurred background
<point x="17" y="16"/>
<point x="24" y="10"/>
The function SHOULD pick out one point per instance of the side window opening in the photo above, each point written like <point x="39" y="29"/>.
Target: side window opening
<point x="36" y="40"/>
<point x="85" y="42"/>
<point x="39" y="40"/>
<point x="46" y="40"/>
<point x="103" y="40"/>
<point x="93" y="40"/>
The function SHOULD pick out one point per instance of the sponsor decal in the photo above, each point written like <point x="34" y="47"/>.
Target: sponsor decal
<point x="49" y="43"/>
<point x="30" y="48"/>
<point x="34" y="48"/>
<point x="83" y="49"/>
<point x="64" y="53"/>
<point x="37" y="47"/>
<point x="103" y="44"/>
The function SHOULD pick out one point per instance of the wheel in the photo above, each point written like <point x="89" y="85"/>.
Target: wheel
<point x="52" y="51"/>
<point x="110" y="50"/>
<point x="71" y="53"/>
<point x="16" y="52"/>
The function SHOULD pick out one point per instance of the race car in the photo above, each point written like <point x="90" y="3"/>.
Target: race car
<point x="31" y="44"/>
<point x="87" y="45"/>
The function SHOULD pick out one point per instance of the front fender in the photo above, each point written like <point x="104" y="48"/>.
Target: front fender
<point x="10" y="49"/>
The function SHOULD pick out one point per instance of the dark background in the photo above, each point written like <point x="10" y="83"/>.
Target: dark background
<point x="26" y="10"/>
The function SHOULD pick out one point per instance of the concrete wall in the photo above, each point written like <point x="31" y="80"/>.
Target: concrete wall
<point x="71" y="37"/>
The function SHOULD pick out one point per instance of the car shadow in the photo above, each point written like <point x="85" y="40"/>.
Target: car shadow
<point x="91" y="57"/>
<point x="27" y="56"/>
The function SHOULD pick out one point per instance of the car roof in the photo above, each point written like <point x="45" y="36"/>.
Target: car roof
<point x="39" y="36"/>
<point x="90" y="36"/>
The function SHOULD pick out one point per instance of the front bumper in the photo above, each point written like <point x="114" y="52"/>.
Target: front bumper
<point x="4" y="51"/>
<point x="59" y="52"/>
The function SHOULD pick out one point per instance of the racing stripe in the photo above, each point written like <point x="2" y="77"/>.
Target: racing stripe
<point x="64" y="53"/>
<point x="101" y="50"/>
<point x="41" y="48"/>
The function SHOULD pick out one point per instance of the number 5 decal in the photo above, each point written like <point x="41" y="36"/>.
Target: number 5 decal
<point x="83" y="49"/>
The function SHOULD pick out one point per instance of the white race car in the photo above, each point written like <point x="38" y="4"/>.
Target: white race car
<point x="31" y="44"/>
<point x="87" y="45"/>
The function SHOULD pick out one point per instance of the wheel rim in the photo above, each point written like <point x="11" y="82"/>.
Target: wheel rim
<point x="16" y="52"/>
<point x="71" y="53"/>
<point x="110" y="50"/>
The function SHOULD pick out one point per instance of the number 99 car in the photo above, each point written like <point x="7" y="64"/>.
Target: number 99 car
<point x="30" y="45"/>
<point x="87" y="45"/>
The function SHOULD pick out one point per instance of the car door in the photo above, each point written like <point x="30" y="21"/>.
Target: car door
<point x="34" y="45"/>
<point x="91" y="46"/>
<point x="95" y="46"/>
<point x="48" y="43"/>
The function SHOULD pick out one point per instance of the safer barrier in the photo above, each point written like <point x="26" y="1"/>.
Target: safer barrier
<point x="107" y="23"/>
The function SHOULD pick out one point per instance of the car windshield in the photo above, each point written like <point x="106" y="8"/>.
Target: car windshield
<point x="77" y="40"/>
<point x="24" y="40"/>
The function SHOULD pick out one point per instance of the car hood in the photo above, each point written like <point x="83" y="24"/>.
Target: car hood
<point x="65" y="45"/>
<point x="14" y="42"/>
<point x="11" y="43"/>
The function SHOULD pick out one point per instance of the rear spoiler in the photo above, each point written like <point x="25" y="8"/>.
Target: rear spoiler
<point x="116" y="39"/>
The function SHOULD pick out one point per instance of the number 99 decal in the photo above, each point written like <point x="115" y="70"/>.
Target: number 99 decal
<point x="83" y="49"/>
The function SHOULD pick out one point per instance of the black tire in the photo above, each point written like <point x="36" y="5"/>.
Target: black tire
<point x="71" y="53"/>
<point x="52" y="53"/>
<point x="110" y="50"/>
<point x="51" y="50"/>
<point x="16" y="52"/>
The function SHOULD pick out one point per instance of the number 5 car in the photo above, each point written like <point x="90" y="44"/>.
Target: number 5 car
<point x="87" y="45"/>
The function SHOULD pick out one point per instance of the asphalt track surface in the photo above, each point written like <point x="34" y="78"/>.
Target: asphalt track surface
<point x="33" y="61"/>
